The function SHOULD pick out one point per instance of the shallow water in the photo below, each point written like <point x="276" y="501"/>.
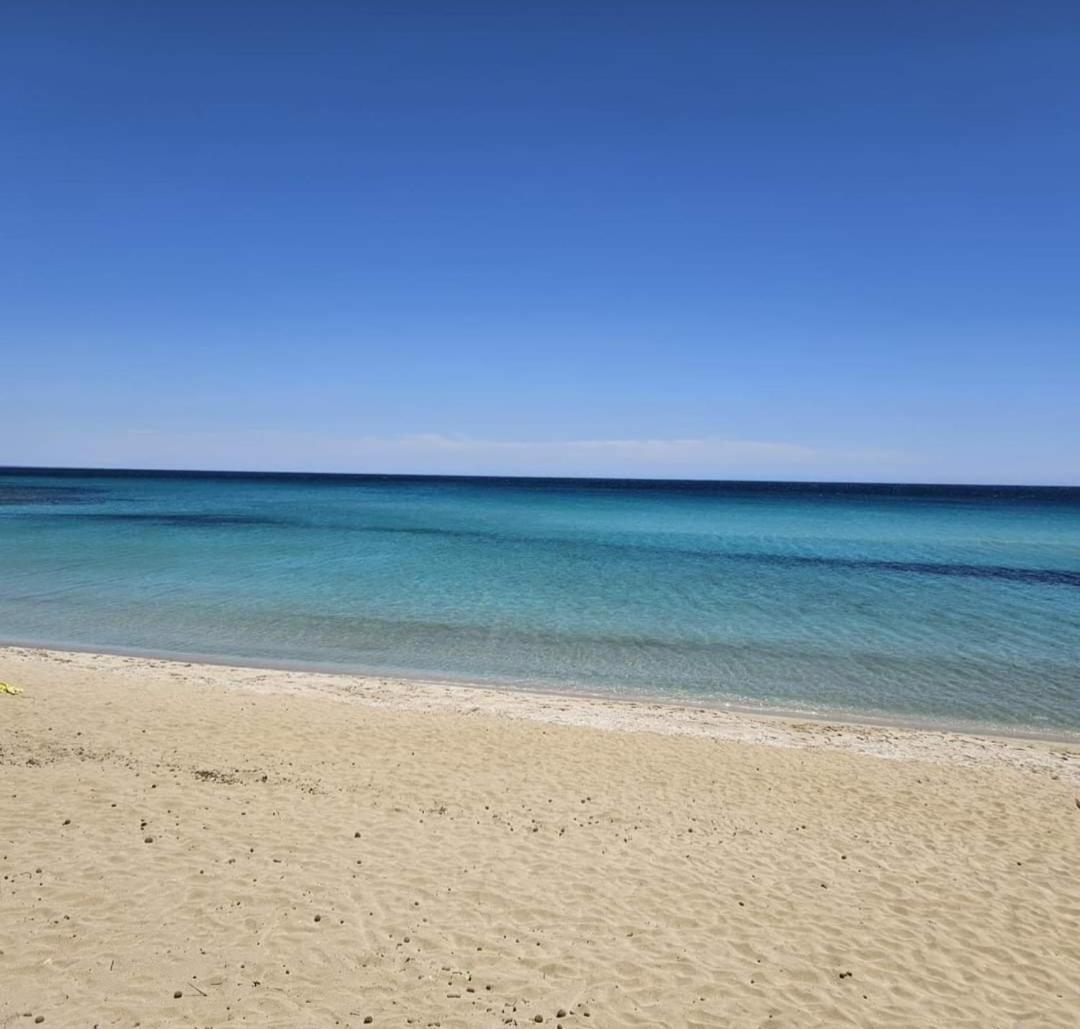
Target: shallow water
<point x="955" y="604"/>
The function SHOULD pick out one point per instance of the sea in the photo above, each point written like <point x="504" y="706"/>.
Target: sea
<point x="951" y="606"/>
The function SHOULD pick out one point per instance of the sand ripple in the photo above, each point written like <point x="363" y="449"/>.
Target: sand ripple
<point x="280" y="857"/>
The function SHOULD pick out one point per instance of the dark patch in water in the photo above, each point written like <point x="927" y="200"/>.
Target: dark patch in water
<point x="25" y="493"/>
<point x="1006" y="573"/>
<point x="178" y="519"/>
<point x="466" y="534"/>
<point x="1039" y="576"/>
<point x="1003" y="573"/>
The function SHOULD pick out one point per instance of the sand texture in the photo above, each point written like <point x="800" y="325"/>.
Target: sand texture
<point x="187" y="844"/>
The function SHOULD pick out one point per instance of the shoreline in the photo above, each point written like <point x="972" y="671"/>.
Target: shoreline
<point x="879" y="738"/>
<point x="838" y="716"/>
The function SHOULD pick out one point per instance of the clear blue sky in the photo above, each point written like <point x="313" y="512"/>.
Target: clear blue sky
<point x="762" y="240"/>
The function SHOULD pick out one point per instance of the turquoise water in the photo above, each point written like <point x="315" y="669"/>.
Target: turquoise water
<point x="955" y="604"/>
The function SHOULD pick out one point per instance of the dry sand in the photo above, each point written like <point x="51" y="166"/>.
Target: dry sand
<point x="199" y="845"/>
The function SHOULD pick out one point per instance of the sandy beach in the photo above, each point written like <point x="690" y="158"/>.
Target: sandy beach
<point x="187" y="844"/>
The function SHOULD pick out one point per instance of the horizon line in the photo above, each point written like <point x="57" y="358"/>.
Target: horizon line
<point x="255" y="473"/>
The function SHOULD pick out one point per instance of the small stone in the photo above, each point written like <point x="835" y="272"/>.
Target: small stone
<point x="367" y="1018"/>
<point x="318" y="918"/>
<point x="67" y="821"/>
<point x="538" y="1018"/>
<point x="177" y="994"/>
<point x="148" y="839"/>
<point x="561" y="1013"/>
<point x="39" y="1019"/>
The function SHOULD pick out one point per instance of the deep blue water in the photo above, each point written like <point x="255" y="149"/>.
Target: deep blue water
<point x="955" y="604"/>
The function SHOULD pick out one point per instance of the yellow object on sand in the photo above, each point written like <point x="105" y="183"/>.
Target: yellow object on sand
<point x="13" y="690"/>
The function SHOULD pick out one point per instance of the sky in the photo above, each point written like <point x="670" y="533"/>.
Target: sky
<point x="760" y="240"/>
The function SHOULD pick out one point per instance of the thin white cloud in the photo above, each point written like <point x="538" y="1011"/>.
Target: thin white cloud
<point x="651" y="451"/>
<point x="436" y="453"/>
